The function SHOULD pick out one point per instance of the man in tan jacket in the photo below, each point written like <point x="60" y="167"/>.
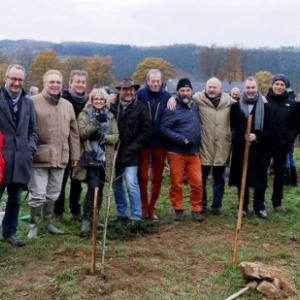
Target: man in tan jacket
<point x="58" y="139"/>
<point x="214" y="110"/>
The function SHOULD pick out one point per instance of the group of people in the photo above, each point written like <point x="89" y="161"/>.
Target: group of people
<point x="58" y="134"/>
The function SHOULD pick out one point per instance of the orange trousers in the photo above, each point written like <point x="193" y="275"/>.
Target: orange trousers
<point x="190" y="165"/>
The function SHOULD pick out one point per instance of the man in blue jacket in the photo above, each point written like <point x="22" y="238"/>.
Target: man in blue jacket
<point x="154" y="152"/>
<point x="181" y="128"/>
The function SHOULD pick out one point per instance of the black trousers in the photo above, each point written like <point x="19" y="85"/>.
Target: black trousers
<point x="279" y="160"/>
<point x="74" y="198"/>
<point x="258" y="199"/>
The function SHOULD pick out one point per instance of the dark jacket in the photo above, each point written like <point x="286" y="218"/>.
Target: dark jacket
<point x="19" y="140"/>
<point x="78" y="107"/>
<point x="258" y="150"/>
<point x="156" y="103"/>
<point x="134" y="132"/>
<point x="285" y="118"/>
<point x="180" y="124"/>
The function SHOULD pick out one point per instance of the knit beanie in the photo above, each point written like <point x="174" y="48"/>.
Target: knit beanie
<point x="280" y="77"/>
<point x="184" y="82"/>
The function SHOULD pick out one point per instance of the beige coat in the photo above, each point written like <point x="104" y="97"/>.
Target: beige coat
<point x="111" y="139"/>
<point x="58" y="137"/>
<point x="215" y="129"/>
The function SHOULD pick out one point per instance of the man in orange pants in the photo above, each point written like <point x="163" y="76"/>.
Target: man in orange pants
<point x="181" y="128"/>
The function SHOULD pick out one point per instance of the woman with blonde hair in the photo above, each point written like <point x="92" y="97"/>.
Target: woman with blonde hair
<point x="99" y="134"/>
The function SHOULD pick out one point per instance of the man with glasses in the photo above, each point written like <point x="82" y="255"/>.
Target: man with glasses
<point x="58" y="140"/>
<point x="18" y="126"/>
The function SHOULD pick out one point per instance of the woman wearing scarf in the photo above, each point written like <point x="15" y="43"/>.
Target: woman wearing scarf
<point x="98" y="135"/>
<point x="251" y="102"/>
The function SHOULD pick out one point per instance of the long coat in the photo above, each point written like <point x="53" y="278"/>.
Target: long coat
<point x="19" y="141"/>
<point x="58" y="137"/>
<point x="258" y="150"/>
<point x="215" y="129"/>
<point x="135" y="132"/>
<point x="86" y="128"/>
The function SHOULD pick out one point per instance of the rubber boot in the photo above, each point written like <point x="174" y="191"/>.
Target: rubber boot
<point x="286" y="176"/>
<point x="293" y="176"/>
<point x="35" y="215"/>
<point x="48" y="208"/>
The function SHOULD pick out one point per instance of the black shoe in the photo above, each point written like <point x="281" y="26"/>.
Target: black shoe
<point x="118" y="219"/>
<point x="133" y="224"/>
<point x="217" y="212"/>
<point x="197" y="216"/>
<point x="179" y="216"/>
<point x="15" y="241"/>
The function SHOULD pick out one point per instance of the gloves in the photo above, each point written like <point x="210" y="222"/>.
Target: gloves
<point x="95" y="136"/>
<point x="189" y="143"/>
<point x="101" y="118"/>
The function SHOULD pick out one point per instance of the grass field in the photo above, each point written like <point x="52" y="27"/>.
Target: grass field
<point x="161" y="261"/>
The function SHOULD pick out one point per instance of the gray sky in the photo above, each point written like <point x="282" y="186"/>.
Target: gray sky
<point x="245" y="23"/>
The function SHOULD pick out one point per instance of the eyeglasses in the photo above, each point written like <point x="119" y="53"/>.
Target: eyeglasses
<point x="14" y="79"/>
<point x="54" y="81"/>
<point x="99" y="99"/>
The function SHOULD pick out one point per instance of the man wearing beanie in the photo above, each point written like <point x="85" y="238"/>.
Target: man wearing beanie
<point x="181" y="129"/>
<point x="286" y="130"/>
<point x="154" y="152"/>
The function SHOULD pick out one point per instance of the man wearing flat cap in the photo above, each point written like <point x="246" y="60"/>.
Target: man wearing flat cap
<point x="181" y="129"/>
<point x="286" y="130"/>
<point x="135" y="130"/>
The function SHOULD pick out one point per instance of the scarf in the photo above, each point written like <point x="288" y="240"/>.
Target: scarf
<point x="245" y="102"/>
<point x="15" y="99"/>
<point x="77" y="98"/>
<point x="103" y="127"/>
<point x="215" y="101"/>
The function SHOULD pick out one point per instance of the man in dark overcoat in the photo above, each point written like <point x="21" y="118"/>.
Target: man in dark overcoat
<point x="262" y="128"/>
<point x="18" y="126"/>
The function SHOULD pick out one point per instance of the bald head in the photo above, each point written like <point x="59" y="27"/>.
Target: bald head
<point x="213" y="87"/>
<point x="235" y="93"/>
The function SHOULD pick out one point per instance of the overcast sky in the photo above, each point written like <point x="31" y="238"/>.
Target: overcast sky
<point x="245" y="23"/>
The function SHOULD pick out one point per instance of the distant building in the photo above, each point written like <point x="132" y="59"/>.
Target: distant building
<point x="200" y="86"/>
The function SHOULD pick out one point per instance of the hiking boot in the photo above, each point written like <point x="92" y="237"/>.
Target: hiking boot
<point x="179" y="216"/>
<point x="133" y="224"/>
<point x="13" y="240"/>
<point x="262" y="214"/>
<point x="197" y="216"/>
<point x="279" y="209"/>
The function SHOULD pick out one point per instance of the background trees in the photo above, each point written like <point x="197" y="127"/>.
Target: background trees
<point x="167" y="70"/>
<point x="46" y="60"/>
<point x="263" y="79"/>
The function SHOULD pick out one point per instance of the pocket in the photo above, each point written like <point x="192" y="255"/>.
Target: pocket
<point x="65" y="154"/>
<point x="42" y="154"/>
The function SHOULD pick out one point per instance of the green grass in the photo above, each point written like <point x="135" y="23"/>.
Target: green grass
<point x="163" y="261"/>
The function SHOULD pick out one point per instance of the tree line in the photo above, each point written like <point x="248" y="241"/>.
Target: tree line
<point x="108" y="64"/>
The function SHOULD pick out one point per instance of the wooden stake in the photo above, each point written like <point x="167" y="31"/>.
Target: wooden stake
<point x="94" y="231"/>
<point x="243" y="186"/>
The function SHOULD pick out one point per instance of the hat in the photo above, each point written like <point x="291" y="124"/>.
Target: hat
<point x="126" y="83"/>
<point x="280" y="77"/>
<point x="184" y="82"/>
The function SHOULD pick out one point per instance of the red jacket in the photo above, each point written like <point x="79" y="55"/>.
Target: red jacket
<point x="2" y="161"/>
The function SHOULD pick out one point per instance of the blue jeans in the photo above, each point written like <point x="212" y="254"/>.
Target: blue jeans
<point x="10" y="220"/>
<point x="290" y="162"/>
<point x="218" y="173"/>
<point x="133" y="190"/>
